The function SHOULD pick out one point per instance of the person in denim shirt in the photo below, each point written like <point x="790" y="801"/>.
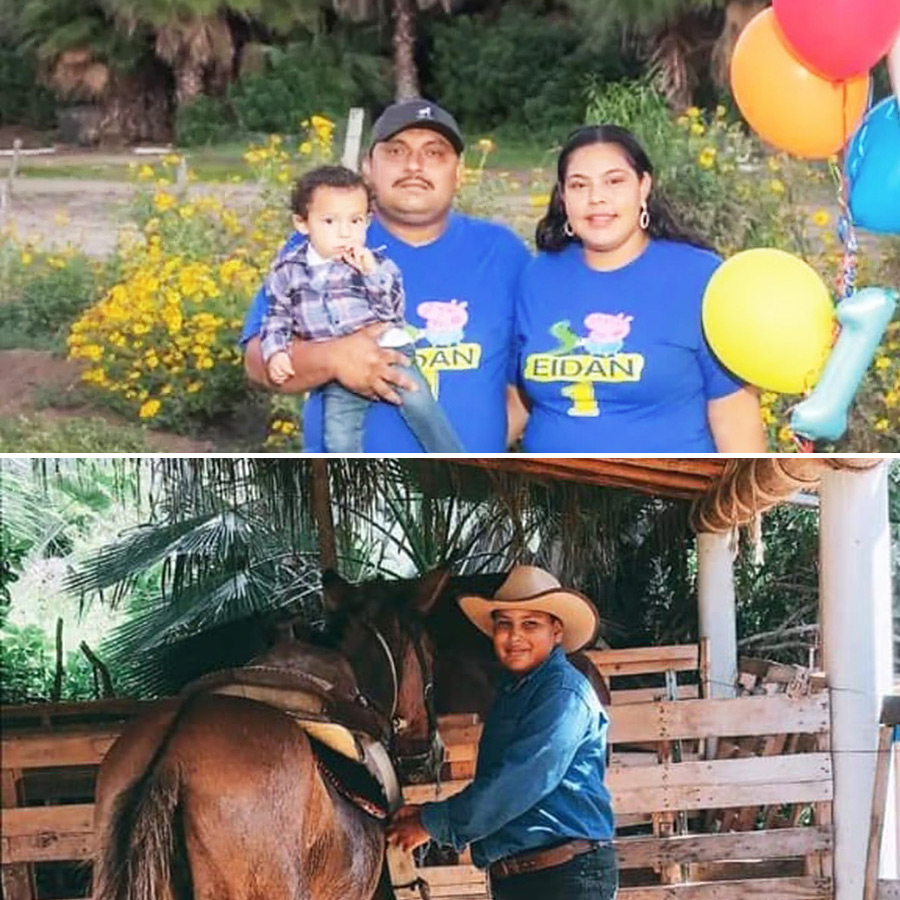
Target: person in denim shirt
<point x="537" y="814"/>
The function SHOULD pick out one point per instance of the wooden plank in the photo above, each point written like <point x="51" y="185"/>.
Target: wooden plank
<point x="690" y="719"/>
<point x="724" y="773"/>
<point x="685" y="478"/>
<point x="17" y="882"/>
<point x="644" y="852"/>
<point x="631" y="696"/>
<point x="733" y="717"/>
<point x="879" y="800"/>
<point x="46" y="846"/>
<point x="797" y="888"/>
<point x="663" y="797"/>
<point x="52" y="750"/>
<point x="646" y="660"/>
<point x="30" y="820"/>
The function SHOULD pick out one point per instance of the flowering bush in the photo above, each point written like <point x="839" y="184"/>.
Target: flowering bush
<point x="162" y="344"/>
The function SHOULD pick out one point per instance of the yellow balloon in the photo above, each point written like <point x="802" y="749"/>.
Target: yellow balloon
<point x="769" y="318"/>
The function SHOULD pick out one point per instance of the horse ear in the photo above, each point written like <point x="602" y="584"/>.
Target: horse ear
<point x="429" y="589"/>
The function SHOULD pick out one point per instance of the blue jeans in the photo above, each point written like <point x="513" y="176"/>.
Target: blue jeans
<point x="590" y="876"/>
<point x="345" y="416"/>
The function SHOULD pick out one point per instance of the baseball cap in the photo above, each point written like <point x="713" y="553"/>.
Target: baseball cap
<point x="416" y="113"/>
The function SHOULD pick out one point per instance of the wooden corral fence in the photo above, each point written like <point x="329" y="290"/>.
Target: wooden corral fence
<point x="666" y="792"/>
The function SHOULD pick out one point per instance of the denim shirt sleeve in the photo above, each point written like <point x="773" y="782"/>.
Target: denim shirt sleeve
<point x="534" y="763"/>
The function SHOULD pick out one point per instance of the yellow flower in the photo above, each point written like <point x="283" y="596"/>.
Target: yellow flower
<point x="145" y="173"/>
<point x="683" y="121"/>
<point x="163" y="201"/>
<point x="767" y="415"/>
<point x="149" y="409"/>
<point x="171" y="159"/>
<point x="306" y="148"/>
<point x="891" y="398"/>
<point x="26" y="258"/>
<point x="692" y="112"/>
<point x="821" y="218"/>
<point x="539" y="200"/>
<point x="776" y="186"/>
<point x="882" y="363"/>
<point x="785" y="435"/>
<point x="194" y="386"/>
<point x="720" y="111"/>
<point x="486" y="145"/>
<point x="707" y="158"/>
<point x="187" y="211"/>
<point x="882" y="425"/>
<point x="697" y="128"/>
<point x="774" y="164"/>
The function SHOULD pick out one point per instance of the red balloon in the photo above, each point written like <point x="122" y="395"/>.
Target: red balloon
<point x="839" y="38"/>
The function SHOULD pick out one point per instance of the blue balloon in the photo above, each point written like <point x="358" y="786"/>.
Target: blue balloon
<point x="863" y="318"/>
<point x="873" y="169"/>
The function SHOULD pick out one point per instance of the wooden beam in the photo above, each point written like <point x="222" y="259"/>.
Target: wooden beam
<point x="643" y="852"/>
<point x="646" y="660"/>
<point x="694" y="719"/>
<point x="879" y="801"/>
<point x="798" y="888"/>
<point x="676" y="478"/>
<point x="83" y="747"/>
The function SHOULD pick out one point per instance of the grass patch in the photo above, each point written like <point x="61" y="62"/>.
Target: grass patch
<point x="37" y="434"/>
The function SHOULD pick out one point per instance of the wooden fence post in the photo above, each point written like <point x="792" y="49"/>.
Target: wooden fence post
<point x="353" y="138"/>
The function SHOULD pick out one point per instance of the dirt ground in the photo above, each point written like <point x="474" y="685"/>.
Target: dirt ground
<point x="31" y="377"/>
<point x="94" y="212"/>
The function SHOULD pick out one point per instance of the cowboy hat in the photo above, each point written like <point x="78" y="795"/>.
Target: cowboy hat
<point x="528" y="587"/>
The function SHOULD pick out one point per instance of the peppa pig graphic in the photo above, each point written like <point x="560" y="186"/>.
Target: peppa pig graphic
<point x="606" y="333"/>
<point x="444" y="321"/>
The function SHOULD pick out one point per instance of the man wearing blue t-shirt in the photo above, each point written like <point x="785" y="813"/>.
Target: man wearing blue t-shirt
<point x="459" y="275"/>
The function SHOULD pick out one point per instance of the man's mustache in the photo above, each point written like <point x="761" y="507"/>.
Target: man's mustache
<point x="419" y="181"/>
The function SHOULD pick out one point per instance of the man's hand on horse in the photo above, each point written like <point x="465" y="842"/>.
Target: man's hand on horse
<point x="406" y="830"/>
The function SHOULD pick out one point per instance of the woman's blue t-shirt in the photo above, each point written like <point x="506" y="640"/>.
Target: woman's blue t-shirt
<point x="460" y="294"/>
<point x="617" y="361"/>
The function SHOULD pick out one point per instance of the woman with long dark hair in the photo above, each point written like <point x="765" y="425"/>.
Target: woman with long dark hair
<point x="612" y="356"/>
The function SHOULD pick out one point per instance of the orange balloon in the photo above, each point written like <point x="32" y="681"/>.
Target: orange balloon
<point x="784" y="102"/>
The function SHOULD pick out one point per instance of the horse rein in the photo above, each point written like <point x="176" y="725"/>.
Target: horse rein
<point x="397" y="725"/>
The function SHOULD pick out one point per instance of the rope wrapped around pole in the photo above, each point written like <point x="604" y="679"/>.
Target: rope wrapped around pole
<point x="749" y="487"/>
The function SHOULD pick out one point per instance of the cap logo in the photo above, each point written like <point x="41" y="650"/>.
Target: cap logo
<point x="424" y="113"/>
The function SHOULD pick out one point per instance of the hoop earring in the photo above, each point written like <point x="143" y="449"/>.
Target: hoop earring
<point x="644" y="220"/>
<point x="567" y="229"/>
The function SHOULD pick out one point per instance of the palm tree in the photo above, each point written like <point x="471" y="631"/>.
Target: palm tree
<point x="684" y="41"/>
<point x="85" y="56"/>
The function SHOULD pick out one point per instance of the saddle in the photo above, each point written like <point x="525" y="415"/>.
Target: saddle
<point x="317" y="688"/>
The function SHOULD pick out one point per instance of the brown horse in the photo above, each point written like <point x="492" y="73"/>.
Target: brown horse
<point x="221" y="798"/>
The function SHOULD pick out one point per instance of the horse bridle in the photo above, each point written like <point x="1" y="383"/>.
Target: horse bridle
<point x="433" y="756"/>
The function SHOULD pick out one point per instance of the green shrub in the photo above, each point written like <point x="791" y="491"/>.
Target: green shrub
<point x="304" y="79"/>
<point x="42" y="295"/>
<point x="517" y="70"/>
<point x="207" y="120"/>
<point x="716" y="177"/>
<point x="23" y="101"/>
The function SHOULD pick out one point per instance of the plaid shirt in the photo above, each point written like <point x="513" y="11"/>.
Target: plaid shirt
<point x="319" y="303"/>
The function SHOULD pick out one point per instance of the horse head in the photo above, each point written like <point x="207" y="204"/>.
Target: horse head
<point x="380" y="627"/>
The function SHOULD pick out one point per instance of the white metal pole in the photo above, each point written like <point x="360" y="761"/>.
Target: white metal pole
<point x="857" y="637"/>
<point x="717" y="612"/>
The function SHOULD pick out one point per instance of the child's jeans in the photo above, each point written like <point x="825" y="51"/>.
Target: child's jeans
<point x="345" y="416"/>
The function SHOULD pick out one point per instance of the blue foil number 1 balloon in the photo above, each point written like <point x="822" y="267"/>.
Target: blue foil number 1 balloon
<point x="863" y="319"/>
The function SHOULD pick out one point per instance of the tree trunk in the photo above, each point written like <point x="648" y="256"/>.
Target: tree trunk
<point x="737" y="14"/>
<point x="321" y="502"/>
<point x="188" y="83"/>
<point x="406" y="76"/>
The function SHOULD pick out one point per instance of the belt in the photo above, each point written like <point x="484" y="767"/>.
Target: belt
<point x="535" y="860"/>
